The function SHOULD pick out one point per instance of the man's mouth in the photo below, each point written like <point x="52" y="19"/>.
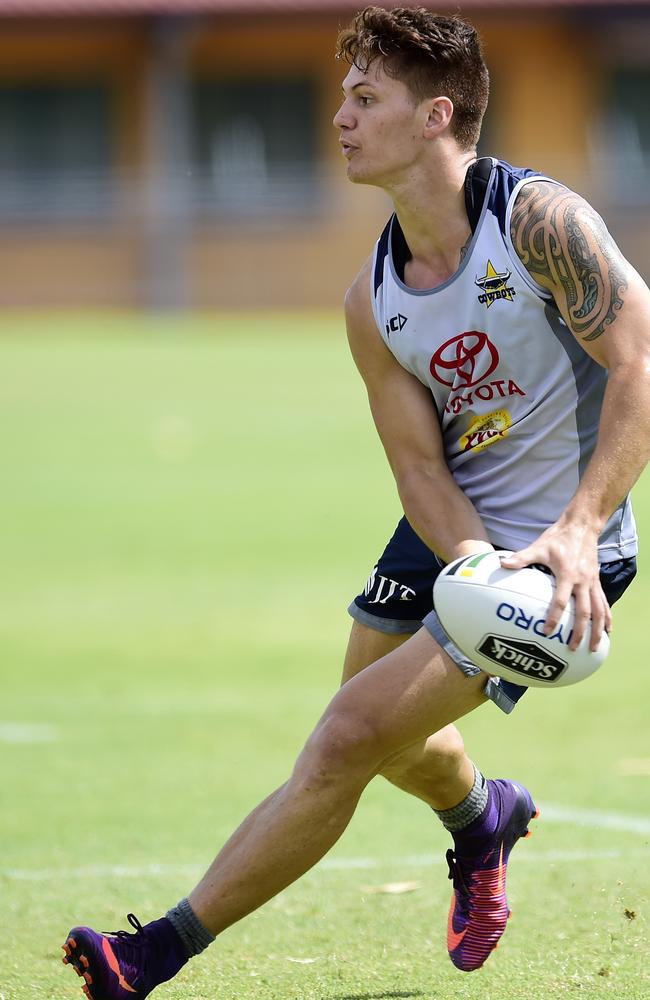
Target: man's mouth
<point x="347" y="148"/>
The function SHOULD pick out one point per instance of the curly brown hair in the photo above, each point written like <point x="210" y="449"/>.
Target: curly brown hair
<point x="432" y="54"/>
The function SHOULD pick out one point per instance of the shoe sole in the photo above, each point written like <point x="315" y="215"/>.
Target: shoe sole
<point x="80" y="963"/>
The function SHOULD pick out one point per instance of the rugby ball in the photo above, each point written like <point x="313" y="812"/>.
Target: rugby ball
<point x="495" y="616"/>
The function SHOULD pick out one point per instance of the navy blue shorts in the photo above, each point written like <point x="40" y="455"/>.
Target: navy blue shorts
<point x="398" y="595"/>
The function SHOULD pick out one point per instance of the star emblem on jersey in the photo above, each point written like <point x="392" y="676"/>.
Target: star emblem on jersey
<point x="495" y="286"/>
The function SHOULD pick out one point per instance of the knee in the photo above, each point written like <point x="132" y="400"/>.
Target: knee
<point x="343" y="747"/>
<point x="446" y="749"/>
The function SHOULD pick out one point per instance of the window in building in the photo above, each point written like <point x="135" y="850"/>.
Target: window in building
<point x="255" y="146"/>
<point x="621" y="139"/>
<point x="55" y="150"/>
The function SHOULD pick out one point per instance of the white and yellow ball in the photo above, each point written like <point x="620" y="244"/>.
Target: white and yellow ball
<point x="496" y="616"/>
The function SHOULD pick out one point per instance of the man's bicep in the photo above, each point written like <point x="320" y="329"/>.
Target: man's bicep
<point x="565" y="246"/>
<point x="407" y="423"/>
<point x="402" y="408"/>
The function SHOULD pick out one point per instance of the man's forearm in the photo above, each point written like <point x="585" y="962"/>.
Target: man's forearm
<point x="441" y="514"/>
<point x="621" y="454"/>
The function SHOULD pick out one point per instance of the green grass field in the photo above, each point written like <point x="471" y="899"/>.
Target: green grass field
<point x="187" y="507"/>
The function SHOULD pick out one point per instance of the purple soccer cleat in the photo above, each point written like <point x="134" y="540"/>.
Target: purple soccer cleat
<point x="479" y="909"/>
<point x="123" y="966"/>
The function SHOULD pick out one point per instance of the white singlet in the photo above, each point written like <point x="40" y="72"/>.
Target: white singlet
<point x="518" y="398"/>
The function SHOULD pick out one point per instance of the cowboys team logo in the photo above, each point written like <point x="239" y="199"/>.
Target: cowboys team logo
<point x="495" y="286"/>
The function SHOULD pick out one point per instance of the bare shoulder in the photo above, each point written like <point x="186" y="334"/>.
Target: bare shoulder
<point x="565" y="246"/>
<point x="358" y="307"/>
<point x="371" y="356"/>
<point x="368" y="348"/>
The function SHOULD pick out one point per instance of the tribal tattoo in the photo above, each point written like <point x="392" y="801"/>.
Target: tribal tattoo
<point x="564" y="245"/>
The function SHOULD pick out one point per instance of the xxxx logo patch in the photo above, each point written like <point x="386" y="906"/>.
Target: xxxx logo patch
<point x="486" y="429"/>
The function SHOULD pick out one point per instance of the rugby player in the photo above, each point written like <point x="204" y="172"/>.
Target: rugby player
<point x="505" y="345"/>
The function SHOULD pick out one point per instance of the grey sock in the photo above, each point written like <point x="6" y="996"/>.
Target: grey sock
<point x="189" y="928"/>
<point x="460" y="816"/>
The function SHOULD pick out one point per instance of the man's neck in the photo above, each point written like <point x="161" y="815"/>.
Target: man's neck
<point x="430" y="207"/>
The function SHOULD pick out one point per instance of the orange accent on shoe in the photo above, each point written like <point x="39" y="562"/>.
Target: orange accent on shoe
<point x="84" y="961"/>
<point x="502" y="871"/>
<point x="71" y="942"/>
<point x="538" y="813"/>
<point x="78" y="971"/>
<point x="454" y="938"/>
<point x="66" y="949"/>
<point x="500" y="886"/>
<point x="88" y="978"/>
<point x="115" y="965"/>
<point x="528" y="834"/>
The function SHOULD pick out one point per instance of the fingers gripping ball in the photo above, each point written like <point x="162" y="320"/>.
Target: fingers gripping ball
<point x="496" y="617"/>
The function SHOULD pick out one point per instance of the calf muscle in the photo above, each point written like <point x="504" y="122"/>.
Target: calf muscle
<point x="376" y="715"/>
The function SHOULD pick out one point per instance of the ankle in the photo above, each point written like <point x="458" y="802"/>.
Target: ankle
<point x="483" y="826"/>
<point x="468" y="812"/>
<point x="193" y="935"/>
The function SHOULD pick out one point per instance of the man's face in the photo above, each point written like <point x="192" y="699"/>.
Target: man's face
<point x="380" y="125"/>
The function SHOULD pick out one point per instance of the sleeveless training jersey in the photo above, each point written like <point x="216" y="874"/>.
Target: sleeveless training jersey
<point x="518" y="399"/>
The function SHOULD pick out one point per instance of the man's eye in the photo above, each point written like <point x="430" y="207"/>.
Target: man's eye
<point x="365" y="101"/>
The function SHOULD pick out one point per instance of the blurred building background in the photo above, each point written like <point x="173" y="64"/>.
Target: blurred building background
<point x="171" y="154"/>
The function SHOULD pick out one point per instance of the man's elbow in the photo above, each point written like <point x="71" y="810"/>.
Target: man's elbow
<point x="415" y="482"/>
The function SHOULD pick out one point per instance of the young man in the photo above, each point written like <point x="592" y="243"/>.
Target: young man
<point x="483" y="326"/>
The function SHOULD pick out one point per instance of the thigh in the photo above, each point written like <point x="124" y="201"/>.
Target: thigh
<point x="413" y="691"/>
<point x="365" y="646"/>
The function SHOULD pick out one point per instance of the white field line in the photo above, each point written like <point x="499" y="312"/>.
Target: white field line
<point x="595" y="819"/>
<point x="425" y="860"/>
<point x="27" y="732"/>
<point x="550" y="813"/>
<point x="328" y="864"/>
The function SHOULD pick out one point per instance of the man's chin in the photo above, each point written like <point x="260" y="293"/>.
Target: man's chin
<point x="359" y="176"/>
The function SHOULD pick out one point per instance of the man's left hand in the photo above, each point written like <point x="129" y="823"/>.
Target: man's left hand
<point x="572" y="556"/>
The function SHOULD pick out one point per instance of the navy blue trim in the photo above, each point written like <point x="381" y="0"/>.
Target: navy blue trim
<point x="477" y="182"/>
<point x="506" y="180"/>
<point x="399" y="249"/>
<point x="382" y="250"/>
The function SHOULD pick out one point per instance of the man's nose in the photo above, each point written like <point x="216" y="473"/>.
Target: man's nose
<point x="342" y="118"/>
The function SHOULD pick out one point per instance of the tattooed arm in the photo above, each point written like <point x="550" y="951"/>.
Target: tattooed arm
<point x="566" y="248"/>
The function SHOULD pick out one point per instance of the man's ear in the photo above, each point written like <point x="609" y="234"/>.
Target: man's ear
<point x="439" y="115"/>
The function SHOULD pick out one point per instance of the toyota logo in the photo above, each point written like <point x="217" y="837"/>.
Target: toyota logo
<point x="470" y="357"/>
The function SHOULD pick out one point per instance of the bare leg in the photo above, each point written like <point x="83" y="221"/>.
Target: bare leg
<point x="436" y="770"/>
<point x="379" y="713"/>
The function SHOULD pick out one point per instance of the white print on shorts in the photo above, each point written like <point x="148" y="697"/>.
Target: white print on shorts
<point x="382" y="588"/>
